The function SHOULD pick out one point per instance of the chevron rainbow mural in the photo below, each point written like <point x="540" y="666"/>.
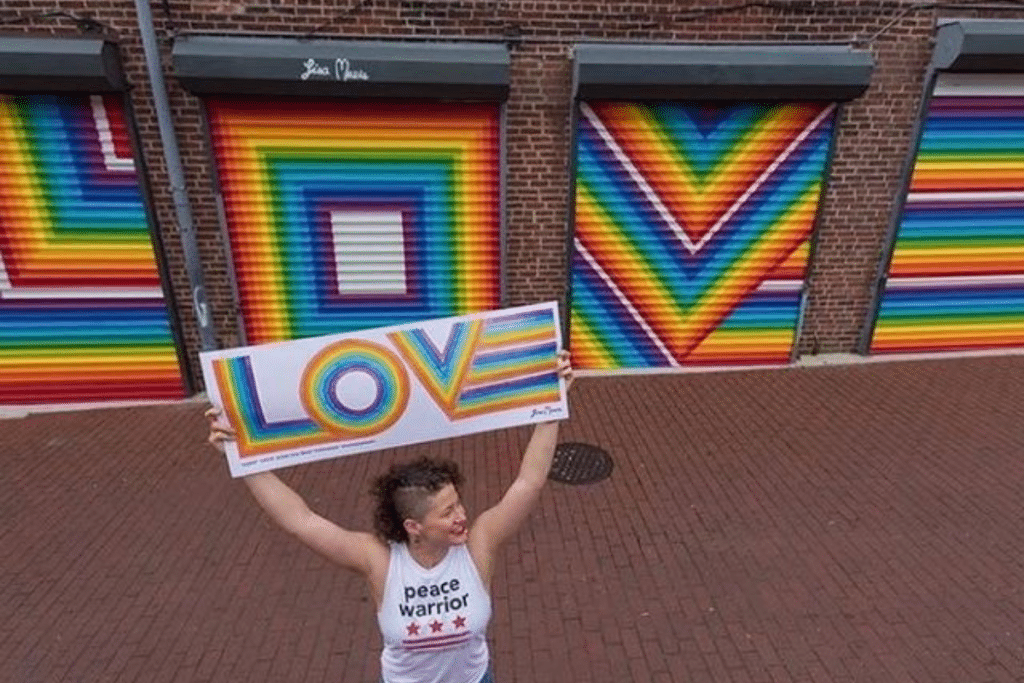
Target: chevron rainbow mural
<point x="692" y="230"/>
<point x="348" y="215"/>
<point x="82" y="311"/>
<point x="956" y="278"/>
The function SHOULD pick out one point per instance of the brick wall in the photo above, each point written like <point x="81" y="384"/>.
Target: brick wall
<point x="874" y="131"/>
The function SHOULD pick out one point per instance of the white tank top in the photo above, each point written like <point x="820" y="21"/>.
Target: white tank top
<point x="434" y="621"/>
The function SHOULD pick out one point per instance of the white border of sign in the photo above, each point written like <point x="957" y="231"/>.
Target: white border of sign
<point x="324" y="397"/>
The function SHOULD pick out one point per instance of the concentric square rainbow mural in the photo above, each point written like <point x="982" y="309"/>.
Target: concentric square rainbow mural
<point x="82" y="310"/>
<point x="956" y="278"/>
<point x="692" y="230"/>
<point x="349" y="215"/>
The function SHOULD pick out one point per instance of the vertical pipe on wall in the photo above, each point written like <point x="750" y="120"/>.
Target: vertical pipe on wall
<point x="570" y="209"/>
<point x="222" y="221"/>
<point x="172" y="156"/>
<point x="173" y="318"/>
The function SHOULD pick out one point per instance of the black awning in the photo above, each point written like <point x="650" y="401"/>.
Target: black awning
<point x="979" y="45"/>
<point x="721" y="72"/>
<point x="341" y="68"/>
<point x="59" y="64"/>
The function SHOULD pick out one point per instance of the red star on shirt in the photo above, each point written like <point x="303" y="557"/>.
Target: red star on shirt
<point x="435" y="626"/>
<point x="413" y="629"/>
<point x="459" y="621"/>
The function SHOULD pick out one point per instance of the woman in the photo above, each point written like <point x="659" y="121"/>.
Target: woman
<point x="429" y="571"/>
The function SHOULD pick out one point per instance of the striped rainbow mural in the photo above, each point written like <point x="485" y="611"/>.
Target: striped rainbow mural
<point x="956" y="278"/>
<point x="348" y="215"/>
<point x="82" y="311"/>
<point x="692" y="231"/>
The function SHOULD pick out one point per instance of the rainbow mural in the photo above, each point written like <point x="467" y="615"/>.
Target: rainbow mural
<point x="82" y="310"/>
<point x="349" y="215"/>
<point x="692" y="229"/>
<point x="956" y="278"/>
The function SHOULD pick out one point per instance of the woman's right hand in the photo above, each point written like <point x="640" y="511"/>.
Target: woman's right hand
<point x="220" y="431"/>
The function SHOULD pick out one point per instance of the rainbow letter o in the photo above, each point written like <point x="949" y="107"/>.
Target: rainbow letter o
<point x="325" y="370"/>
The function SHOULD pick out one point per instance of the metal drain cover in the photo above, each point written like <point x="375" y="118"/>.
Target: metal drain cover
<point x="580" y="463"/>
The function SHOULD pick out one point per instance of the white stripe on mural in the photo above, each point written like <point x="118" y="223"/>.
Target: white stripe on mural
<point x="28" y="293"/>
<point x="979" y="85"/>
<point x="780" y="286"/>
<point x="896" y="282"/>
<point x="5" y="282"/>
<point x="106" y="136"/>
<point x="953" y="197"/>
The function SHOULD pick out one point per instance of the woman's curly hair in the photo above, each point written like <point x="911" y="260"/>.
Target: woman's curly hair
<point x="403" y="492"/>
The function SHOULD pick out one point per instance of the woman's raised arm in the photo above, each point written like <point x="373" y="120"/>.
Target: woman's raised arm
<point x="358" y="551"/>
<point x="499" y="523"/>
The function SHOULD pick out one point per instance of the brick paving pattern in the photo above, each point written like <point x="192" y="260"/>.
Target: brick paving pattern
<point x="856" y="523"/>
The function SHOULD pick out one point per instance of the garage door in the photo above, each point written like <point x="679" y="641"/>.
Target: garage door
<point x="693" y="227"/>
<point x="353" y="196"/>
<point x="82" y="311"/>
<point x="956" y="277"/>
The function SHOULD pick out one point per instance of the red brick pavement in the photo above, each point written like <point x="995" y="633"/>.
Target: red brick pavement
<point x="857" y="523"/>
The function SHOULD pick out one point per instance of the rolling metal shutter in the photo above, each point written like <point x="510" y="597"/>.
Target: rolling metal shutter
<point x="82" y="310"/>
<point x="347" y="214"/>
<point x="956" y="278"/>
<point x="692" y="230"/>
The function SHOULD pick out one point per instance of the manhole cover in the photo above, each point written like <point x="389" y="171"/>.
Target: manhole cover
<point x="580" y="463"/>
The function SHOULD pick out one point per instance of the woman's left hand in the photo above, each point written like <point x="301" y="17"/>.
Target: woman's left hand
<point x="220" y="431"/>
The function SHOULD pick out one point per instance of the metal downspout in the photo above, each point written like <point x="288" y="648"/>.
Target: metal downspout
<point x="172" y="158"/>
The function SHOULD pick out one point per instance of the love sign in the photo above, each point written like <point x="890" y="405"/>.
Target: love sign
<point x="324" y="397"/>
